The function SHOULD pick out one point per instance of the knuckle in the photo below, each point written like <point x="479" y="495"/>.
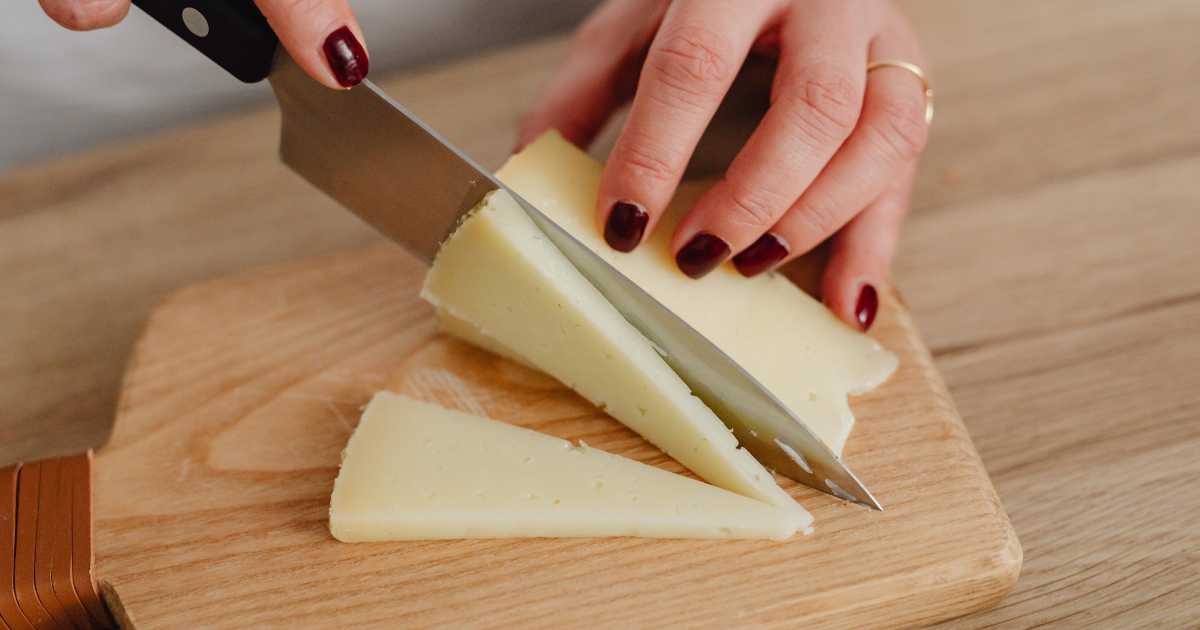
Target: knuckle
<point x="900" y="131"/>
<point x="642" y="161"/>
<point x="751" y="208"/>
<point x="692" y="62"/>
<point x="822" y="103"/>
<point x="817" y="220"/>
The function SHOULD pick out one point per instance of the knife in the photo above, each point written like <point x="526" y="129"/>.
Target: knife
<point x="372" y="155"/>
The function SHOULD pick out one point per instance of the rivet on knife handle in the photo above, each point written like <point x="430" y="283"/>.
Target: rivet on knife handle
<point x="232" y="33"/>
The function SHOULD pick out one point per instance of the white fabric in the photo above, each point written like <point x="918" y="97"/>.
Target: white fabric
<point x="61" y="90"/>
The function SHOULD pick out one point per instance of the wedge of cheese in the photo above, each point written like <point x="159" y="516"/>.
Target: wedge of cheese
<point x="790" y="342"/>
<point x="499" y="283"/>
<point x="413" y="470"/>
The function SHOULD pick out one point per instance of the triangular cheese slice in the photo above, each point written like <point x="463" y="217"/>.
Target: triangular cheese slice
<point x="413" y="470"/>
<point x="790" y="342"/>
<point x="521" y="297"/>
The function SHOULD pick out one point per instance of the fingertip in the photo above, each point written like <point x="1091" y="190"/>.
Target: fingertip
<point x="850" y="294"/>
<point x="625" y="225"/>
<point x="524" y="137"/>
<point x="861" y="255"/>
<point x="85" y="15"/>
<point x="854" y="300"/>
<point x="346" y="57"/>
<point x="857" y="270"/>
<point x="323" y="38"/>
<point x="866" y="306"/>
<point x="762" y="255"/>
<point x="701" y="254"/>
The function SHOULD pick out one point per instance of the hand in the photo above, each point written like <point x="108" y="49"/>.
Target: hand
<point x="835" y="152"/>
<point x="322" y="36"/>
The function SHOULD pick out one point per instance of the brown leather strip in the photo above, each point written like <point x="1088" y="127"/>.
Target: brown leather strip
<point x="83" y="561"/>
<point x="10" y="611"/>
<point x="61" y="570"/>
<point x="28" y="482"/>
<point x="44" y="545"/>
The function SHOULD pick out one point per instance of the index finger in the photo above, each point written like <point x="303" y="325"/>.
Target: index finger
<point x="689" y="68"/>
<point x="816" y="101"/>
<point x="322" y="37"/>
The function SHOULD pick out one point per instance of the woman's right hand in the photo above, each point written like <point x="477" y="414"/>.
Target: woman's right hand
<point x="322" y="36"/>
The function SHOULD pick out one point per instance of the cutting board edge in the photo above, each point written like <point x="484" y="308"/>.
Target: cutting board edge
<point x="983" y="587"/>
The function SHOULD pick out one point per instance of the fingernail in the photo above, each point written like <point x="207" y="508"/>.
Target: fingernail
<point x="346" y="56"/>
<point x="625" y="226"/>
<point x="868" y="304"/>
<point x="761" y="255"/>
<point x="701" y="255"/>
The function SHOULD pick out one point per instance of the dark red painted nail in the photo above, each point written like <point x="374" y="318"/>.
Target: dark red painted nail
<point x="346" y="56"/>
<point x="701" y="255"/>
<point x="625" y="226"/>
<point x="868" y="304"/>
<point x="761" y="255"/>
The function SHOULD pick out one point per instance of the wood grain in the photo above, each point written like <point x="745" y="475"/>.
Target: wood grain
<point x="10" y="610"/>
<point x="24" y="566"/>
<point x="62" y="546"/>
<point x="212" y="497"/>
<point x="83" y="578"/>
<point x="47" y="513"/>
<point x="1048" y="262"/>
<point x="1092" y="403"/>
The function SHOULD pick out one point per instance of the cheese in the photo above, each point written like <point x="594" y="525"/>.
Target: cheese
<point x="790" y="342"/>
<point x="413" y="470"/>
<point x="499" y="283"/>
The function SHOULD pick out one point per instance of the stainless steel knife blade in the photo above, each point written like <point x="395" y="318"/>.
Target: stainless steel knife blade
<point x="377" y="159"/>
<point x="380" y="161"/>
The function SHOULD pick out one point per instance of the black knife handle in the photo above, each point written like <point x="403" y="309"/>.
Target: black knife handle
<point x="233" y="33"/>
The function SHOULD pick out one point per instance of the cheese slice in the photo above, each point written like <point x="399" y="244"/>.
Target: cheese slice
<point x="790" y="342"/>
<point x="499" y="283"/>
<point x="413" y="470"/>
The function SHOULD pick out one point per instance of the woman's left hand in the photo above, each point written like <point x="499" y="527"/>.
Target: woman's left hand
<point x="835" y="152"/>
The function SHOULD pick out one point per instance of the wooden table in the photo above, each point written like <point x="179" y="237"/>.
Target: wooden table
<point x="1052" y="263"/>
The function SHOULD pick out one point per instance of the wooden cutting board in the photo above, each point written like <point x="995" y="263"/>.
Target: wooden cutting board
<point x="212" y="497"/>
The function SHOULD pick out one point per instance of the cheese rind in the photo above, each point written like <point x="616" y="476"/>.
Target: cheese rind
<point x="790" y="342"/>
<point x="413" y="470"/>
<point x="499" y="283"/>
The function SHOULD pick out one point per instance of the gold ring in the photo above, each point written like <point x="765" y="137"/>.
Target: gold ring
<point x="916" y="70"/>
